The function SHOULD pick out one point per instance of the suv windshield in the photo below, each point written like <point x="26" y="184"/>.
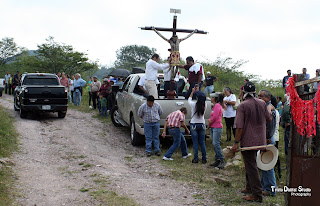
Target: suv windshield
<point x="40" y="81"/>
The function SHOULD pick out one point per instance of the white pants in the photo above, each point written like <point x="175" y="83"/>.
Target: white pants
<point x="152" y="88"/>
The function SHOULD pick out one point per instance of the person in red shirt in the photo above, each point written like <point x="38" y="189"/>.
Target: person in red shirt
<point x="195" y="73"/>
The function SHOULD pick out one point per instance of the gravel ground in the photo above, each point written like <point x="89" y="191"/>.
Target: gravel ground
<point x="58" y="157"/>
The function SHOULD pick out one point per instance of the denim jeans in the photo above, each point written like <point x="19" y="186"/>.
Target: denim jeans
<point x="215" y="138"/>
<point x="70" y="97"/>
<point x="152" y="132"/>
<point x="198" y="137"/>
<point x="208" y="89"/>
<point x="77" y="98"/>
<point x="104" y="111"/>
<point x="268" y="178"/>
<point x="178" y="141"/>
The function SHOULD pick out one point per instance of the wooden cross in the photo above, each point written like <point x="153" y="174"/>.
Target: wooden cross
<point x="174" y="43"/>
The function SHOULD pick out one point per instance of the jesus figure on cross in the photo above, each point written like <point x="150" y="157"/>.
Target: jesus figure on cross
<point x="174" y="51"/>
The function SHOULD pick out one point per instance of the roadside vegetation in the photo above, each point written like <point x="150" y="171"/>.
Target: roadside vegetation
<point x="8" y="144"/>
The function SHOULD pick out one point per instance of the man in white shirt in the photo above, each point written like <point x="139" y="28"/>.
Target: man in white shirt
<point x="152" y="67"/>
<point x="142" y="84"/>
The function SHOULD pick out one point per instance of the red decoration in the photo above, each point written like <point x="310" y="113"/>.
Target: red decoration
<point x="302" y="111"/>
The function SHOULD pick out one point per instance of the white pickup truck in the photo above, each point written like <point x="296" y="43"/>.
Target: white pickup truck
<point x="130" y="98"/>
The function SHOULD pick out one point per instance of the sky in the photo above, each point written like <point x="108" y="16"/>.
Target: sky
<point x="273" y="36"/>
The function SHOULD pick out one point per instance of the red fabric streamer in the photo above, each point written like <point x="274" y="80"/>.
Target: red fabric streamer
<point x="302" y="111"/>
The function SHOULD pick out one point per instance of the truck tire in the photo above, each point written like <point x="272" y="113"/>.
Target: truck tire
<point x="23" y="113"/>
<point x="15" y="104"/>
<point x="114" y="112"/>
<point x="62" y="114"/>
<point x="136" y="138"/>
<point x="1" y="93"/>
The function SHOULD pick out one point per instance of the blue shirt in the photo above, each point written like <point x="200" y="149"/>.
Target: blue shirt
<point x="79" y="83"/>
<point x="148" y="114"/>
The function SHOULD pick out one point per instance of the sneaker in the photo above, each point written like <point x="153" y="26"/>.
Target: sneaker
<point x="90" y="107"/>
<point x="186" y="156"/>
<point x="166" y="158"/>
<point x="195" y="161"/>
<point x="221" y="164"/>
<point x="148" y="154"/>
<point x="215" y="164"/>
<point x="157" y="153"/>
<point x="204" y="161"/>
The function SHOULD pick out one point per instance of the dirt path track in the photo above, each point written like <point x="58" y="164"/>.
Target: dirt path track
<point x="58" y="157"/>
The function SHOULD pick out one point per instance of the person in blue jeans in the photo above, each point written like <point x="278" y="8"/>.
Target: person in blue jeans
<point x="173" y="122"/>
<point x="150" y="113"/>
<point x="216" y="126"/>
<point x="197" y="124"/>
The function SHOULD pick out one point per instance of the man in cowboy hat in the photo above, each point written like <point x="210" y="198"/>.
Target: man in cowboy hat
<point x="250" y="124"/>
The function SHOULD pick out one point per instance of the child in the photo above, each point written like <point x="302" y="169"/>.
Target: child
<point x="103" y="104"/>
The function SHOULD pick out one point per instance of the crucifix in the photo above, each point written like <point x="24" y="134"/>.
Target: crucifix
<point x="174" y="42"/>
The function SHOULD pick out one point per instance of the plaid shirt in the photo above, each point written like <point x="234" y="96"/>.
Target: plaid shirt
<point x="150" y="114"/>
<point x="175" y="118"/>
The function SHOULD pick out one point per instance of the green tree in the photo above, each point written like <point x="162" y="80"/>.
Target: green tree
<point x="55" y="57"/>
<point x="8" y="50"/>
<point x="133" y="56"/>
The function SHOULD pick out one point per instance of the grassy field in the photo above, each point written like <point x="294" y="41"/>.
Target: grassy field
<point x="8" y="144"/>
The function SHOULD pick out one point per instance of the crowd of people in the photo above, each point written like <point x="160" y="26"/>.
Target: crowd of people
<point x="254" y="122"/>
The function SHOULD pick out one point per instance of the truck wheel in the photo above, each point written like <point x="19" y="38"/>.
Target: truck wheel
<point x="23" y="113"/>
<point x="15" y="104"/>
<point x="136" y="138"/>
<point x="0" y="93"/>
<point x="114" y="115"/>
<point x="62" y="114"/>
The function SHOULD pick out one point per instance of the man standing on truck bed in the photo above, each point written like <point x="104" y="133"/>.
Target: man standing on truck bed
<point x="152" y="67"/>
<point x="78" y="83"/>
<point x="195" y="74"/>
<point x="150" y="113"/>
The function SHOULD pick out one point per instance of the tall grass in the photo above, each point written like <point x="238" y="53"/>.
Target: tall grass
<point x="8" y="144"/>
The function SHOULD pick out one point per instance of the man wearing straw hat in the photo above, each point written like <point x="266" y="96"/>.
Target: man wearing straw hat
<point x="250" y="124"/>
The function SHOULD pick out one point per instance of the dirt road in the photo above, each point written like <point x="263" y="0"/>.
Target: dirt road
<point x="64" y="161"/>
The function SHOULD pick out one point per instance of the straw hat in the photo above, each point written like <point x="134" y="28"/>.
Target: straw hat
<point x="267" y="160"/>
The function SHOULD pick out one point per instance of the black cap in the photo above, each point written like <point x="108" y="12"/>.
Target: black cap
<point x="249" y="87"/>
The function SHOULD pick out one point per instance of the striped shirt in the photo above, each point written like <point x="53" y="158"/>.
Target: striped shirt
<point x="148" y="114"/>
<point x="175" y="118"/>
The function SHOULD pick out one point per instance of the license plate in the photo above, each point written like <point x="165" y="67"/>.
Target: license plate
<point x="46" y="107"/>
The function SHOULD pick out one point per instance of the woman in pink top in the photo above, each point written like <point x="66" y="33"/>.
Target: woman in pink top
<point x="215" y="126"/>
<point x="64" y="81"/>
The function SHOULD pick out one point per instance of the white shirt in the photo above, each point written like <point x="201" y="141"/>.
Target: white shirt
<point x="194" y="117"/>
<point x="142" y="81"/>
<point x="276" y="131"/>
<point x="152" y="68"/>
<point x="229" y="112"/>
<point x="167" y="75"/>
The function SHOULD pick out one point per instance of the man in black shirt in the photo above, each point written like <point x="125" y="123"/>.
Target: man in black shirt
<point x="209" y="83"/>
<point x="285" y="79"/>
